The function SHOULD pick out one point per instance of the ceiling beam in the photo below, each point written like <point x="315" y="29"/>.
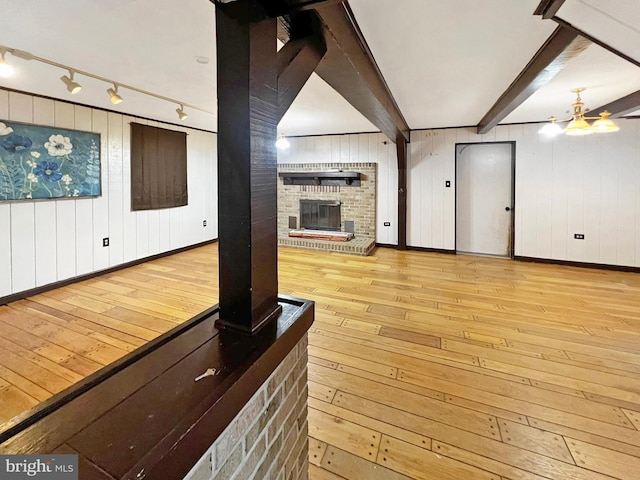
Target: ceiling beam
<point x="620" y="107"/>
<point x="299" y="57"/>
<point x="349" y="67"/>
<point x="297" y="61"/>
<point x="548" y="8"/>
<point x="561" y="47"/>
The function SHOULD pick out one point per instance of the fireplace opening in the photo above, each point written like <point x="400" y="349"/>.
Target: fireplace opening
<point x="320" y="215"/>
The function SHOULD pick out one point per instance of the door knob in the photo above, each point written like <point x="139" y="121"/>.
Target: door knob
<point x="507" y="209"/>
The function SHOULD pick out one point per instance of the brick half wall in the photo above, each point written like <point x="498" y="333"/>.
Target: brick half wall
<point x="268" y="438"/>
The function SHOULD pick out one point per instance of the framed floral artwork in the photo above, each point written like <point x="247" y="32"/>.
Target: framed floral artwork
<point x="38" y="162"/>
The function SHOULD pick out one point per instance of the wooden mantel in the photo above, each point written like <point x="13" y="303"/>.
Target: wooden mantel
<point x="351" y="179"/>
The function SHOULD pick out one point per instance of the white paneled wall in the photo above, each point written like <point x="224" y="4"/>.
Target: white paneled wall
<point x="364" y="147"/>
<point x="47" y="241"/>
<point x="565" y="185"/>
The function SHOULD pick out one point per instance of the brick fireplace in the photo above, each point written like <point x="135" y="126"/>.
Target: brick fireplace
<point x="355" y="195"/>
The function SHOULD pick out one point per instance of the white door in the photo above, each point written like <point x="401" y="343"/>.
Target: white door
<point x="484" y="209"/>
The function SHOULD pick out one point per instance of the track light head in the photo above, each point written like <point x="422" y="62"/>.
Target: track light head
<point x="73" y="86"/>
<point x="6" y="70"/>
<point x="113" y="95"/>
<point x="181" y="113"/>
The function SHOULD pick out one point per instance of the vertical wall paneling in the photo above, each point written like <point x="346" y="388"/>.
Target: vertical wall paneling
<point x="413" y="217"/>
<point x="164" y="227"/>
<point x="116" y="187"/>
<point x="99" y="124"/>
<point x="447" y="152"/>
<point x="154" y="232"/>
<point x="194" y="215"/>
<point x="386" y="210"/>
<point x="543" y="160"/>
<point x="575" y="202"/>
<point x="5" y="219"/>
<point x="636" y="157"/>
<point x="84" y="209"/>
<point x="129" y="223"/>
<point x="176" y="232"/>
<point x="558" y="178"/>
<point x="335" y="148"/>
<point x="213" y="203"/>
<point x="609" y="199"/>
<point x="437" y="188"/>
<point x="45" y="241"/>
<point x="65" y="208"/>
<point x="142" y="219"/>
<point x="427" y="224"/>
<point x="627" y="187"/>
<point x="563" y="186"/>
<point x="23" y="266"/>
<point x="592" y="198"/>
<point x="528" y="177"/>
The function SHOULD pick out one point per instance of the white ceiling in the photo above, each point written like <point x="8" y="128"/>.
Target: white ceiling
<point x="446" y="63"/>
<point x="614" y="22"/>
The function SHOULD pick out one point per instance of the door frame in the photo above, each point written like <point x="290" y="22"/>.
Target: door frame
<point x="512" y="234"/>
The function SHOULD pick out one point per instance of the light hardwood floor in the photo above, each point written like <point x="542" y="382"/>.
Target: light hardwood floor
<point x="421" y="366"/>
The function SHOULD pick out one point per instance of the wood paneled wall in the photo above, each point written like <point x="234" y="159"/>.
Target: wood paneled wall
<point x="564" y="185"/>
<point x="47" y="241"/>
<point x="365" y="147"/>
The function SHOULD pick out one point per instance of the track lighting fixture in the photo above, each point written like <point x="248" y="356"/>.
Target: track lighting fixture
<point x="113" y="95"/>
<point x="282" y="143"/>
<point x="6" y="70"/>
<point x="73" y="86"/>
<point x="181" y="113"/>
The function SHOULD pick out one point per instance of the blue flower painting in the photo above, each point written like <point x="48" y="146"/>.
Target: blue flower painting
<point x="46" y="162"/>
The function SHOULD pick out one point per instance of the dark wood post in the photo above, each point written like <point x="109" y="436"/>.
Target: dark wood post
<point x="247" y="174"/>
<point x="401" y="149"/>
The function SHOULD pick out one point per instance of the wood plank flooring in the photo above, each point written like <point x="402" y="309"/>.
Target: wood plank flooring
<point x="421" y="366"/>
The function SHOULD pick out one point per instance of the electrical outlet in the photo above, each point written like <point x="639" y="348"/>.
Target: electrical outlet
<point x="387" y="224"/>
<point x="105" y="242"/>
<point x="447" y="183"/>
<point x="204" y="223"/>
<point x="578" y="236"/>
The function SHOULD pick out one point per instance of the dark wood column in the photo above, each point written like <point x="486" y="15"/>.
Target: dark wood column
<point x="247" y="176"/>
<point x="401" y="149"/>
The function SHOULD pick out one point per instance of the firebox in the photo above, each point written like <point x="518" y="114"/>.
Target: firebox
<point x="320" y="214"/>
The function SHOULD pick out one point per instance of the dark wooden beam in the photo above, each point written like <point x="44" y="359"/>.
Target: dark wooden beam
<point x="560" y="48"/>
<point x="247" y="174"/>
<point x="548" y="8"/>
<point x="620" y="107"/>
<point x="349" y="67"/>
<point x="298" y="59"/>
<point x="401" y="150"/>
